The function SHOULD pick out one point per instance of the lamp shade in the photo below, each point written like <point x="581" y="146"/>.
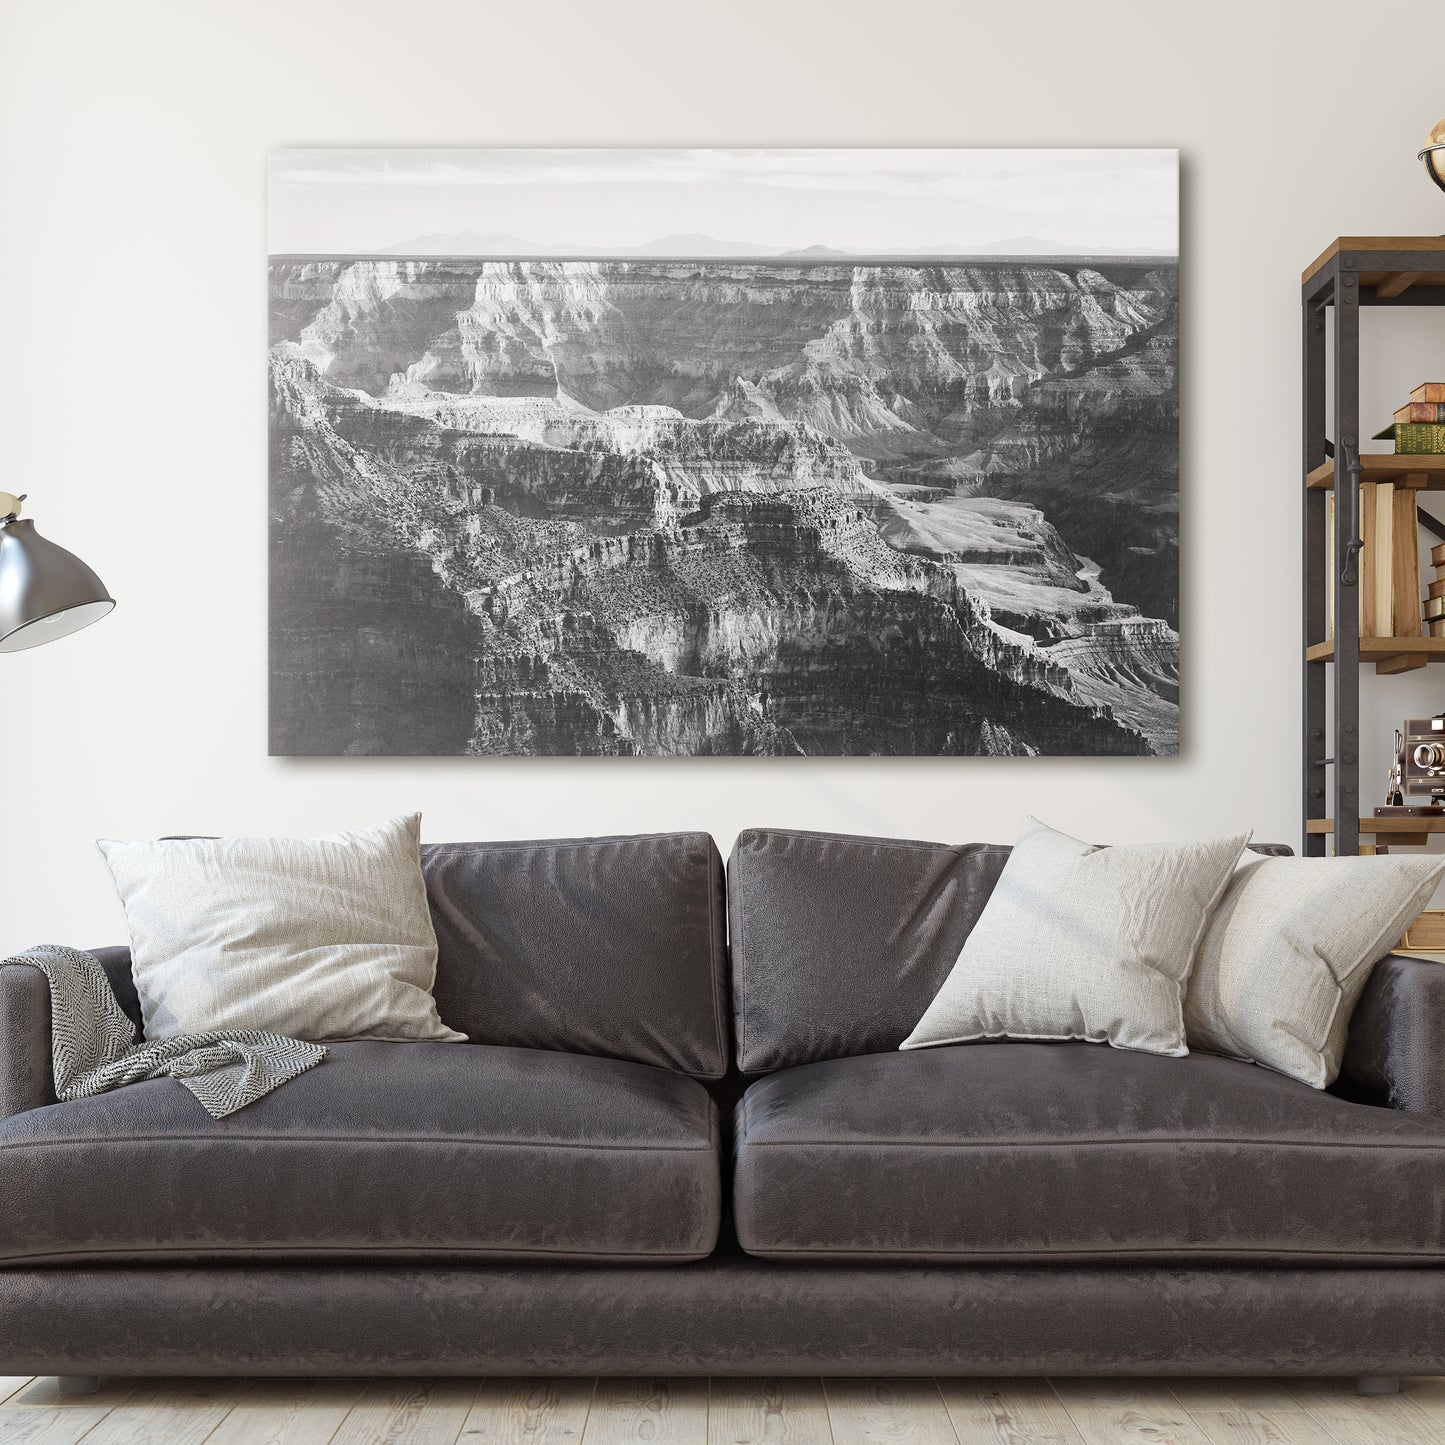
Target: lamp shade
<point x="45" y="591"/>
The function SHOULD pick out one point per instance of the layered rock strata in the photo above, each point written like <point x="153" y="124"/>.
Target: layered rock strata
<point x="666" y="507"/>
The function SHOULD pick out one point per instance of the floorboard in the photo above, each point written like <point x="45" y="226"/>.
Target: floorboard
<point x="48" y="1427"/>
<point x="408" y="1412"/>
<point x="1409" y="1418"/>
<point x="1007" y="1412"/>
<point x="1128" y="1412"/>
<point x="661" y="1412"/>
<point x="42" y="1394"/>
<point x="1263" y="1427"/>
<point x="768" y="1412"/>
<point x="721" y="1412"/>
<point x="1247" y="1393"/>
<point x="288" y="1412"/>
<point x="529" y="1412"/>
<point x="888" y="1412"/>
<point x="164" y="1412"/>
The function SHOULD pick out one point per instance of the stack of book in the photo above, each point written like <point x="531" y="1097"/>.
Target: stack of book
<point x="1435" y="598"/>
<point x="1419" y="425"/>
<point x="1389" y="566"/>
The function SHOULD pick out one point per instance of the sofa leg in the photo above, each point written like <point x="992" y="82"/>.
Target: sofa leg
<point x="1377" y="1384"/>
<point x="77" y="1384"/>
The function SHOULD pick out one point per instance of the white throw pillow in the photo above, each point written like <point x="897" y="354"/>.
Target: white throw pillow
<point x="314" y="938"/>
<point x="1082" y="942"/>
<point x="1289" y="951"/>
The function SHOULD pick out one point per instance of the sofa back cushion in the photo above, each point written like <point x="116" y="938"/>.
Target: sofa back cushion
<point x="605" y="946"/>
<point x="840" y="943"/>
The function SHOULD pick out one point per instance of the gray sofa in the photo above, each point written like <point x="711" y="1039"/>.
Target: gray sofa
<point x="658" y="1155"/>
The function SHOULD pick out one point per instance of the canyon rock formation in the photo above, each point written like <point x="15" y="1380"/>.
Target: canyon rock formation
<point x="673" y="507"/>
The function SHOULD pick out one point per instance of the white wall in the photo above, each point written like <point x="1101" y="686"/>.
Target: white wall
<point x="132" y="406"/>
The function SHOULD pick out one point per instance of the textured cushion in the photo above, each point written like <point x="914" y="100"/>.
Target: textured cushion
<point x="839" y="942"/>
<point x="315" y="938"/>
<point x="1083" y="942"/>
<point x="385" y="1151"/>
<point x="1289" y="951"/>
<point x="610" y="946"/>
<point x="1040" y="1152"/>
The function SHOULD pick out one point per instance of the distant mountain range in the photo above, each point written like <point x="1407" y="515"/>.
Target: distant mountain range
<point x="696" y="244"/>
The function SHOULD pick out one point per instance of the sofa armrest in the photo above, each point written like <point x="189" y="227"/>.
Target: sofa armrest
<point x="26" y="1078"/>
<point x="25" y="1074"/>
<point x="1395" y="1053"/>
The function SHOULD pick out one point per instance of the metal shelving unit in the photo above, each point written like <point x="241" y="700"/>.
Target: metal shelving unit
<point x="1354" y="271"/>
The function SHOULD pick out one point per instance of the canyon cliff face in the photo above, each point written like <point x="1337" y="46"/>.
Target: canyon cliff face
<point x="675" y="507"/>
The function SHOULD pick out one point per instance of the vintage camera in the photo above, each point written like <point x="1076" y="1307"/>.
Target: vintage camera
<point x="1418" y="774"/>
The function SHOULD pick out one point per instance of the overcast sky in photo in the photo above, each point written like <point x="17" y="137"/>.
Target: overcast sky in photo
<point x="342" y="201"/>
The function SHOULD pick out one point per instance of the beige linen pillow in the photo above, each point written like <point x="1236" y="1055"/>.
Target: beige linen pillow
<point x="314" y="938"/>
<point x="1289" y="951"/>
<point x="1081" y="942"/>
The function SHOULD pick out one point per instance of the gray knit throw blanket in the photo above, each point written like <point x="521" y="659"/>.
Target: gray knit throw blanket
<point x="92" y="1048"/>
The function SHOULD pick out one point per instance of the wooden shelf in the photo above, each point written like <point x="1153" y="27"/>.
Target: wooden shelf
<point x="1396" y="828"/>
<point x="1424" y="473"/>
<point x="1389" y="654"/>
<point x="1393" y="280"/>
<point x="1351" y="274"/>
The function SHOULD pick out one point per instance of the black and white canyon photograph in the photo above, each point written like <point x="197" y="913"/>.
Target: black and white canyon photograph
<point x="690" y="452"/>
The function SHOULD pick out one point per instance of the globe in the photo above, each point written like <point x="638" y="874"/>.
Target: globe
<point x="1434" y="155"/>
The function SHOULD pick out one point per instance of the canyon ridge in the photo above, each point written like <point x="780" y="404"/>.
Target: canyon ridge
<point x="712" y="507"/>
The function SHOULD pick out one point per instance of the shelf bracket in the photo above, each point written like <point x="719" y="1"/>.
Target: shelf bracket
<point x="1349" y="571"/>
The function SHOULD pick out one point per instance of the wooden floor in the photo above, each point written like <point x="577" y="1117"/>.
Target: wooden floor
<point x="721" y="1412"/>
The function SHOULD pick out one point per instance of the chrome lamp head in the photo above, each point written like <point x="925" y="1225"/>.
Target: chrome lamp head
<point x="45" y="591"/>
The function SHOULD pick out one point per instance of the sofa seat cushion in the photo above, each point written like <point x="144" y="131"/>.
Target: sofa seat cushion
<point x="386" y="1150"/>
<point x="1077" y="1152"/>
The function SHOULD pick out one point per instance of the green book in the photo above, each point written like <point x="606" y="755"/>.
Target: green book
<point x="1415" y="437"/>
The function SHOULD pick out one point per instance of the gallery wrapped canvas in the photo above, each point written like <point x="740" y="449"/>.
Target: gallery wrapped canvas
<point x="724" y="452"/>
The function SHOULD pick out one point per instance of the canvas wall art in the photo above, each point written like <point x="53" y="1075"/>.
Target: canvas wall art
<point x="768" y="452"/>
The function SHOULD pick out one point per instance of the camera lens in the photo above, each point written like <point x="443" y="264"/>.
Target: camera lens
<point x="1430" y="756"/>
